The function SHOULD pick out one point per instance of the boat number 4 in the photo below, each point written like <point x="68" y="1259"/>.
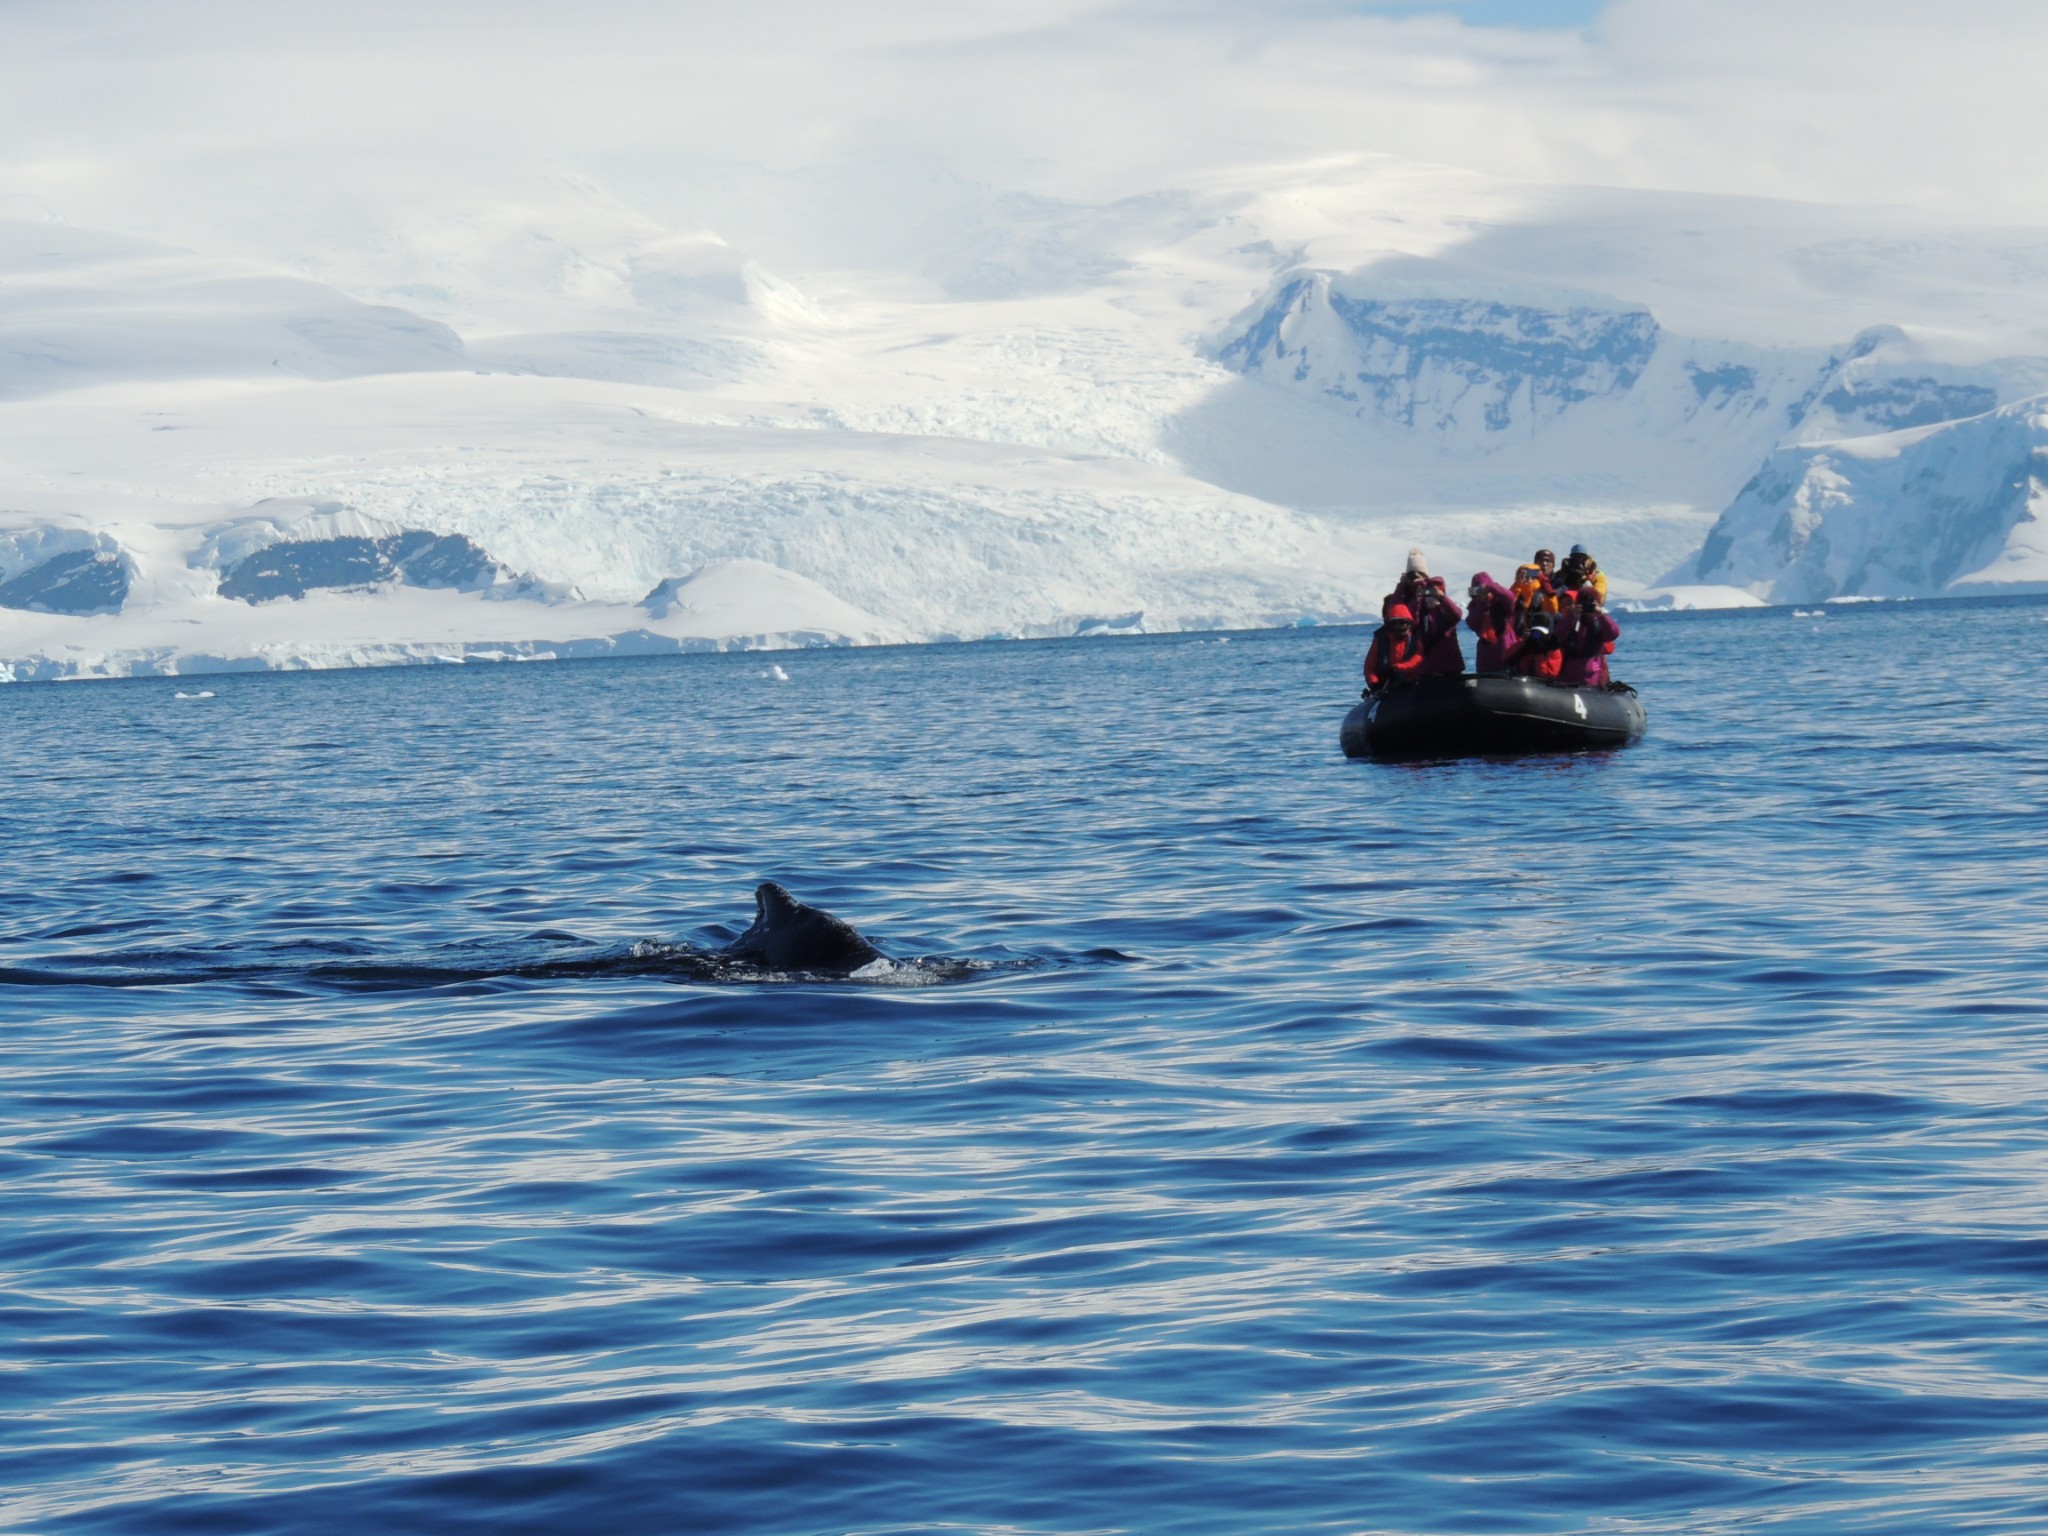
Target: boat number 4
<point x="1580" y="705"/>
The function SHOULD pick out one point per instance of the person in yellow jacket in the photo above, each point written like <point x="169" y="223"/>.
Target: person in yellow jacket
<point x="1582" y="570"/>
<point x="1533" y="591"/>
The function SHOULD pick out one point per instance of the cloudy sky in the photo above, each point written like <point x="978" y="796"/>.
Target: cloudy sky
<point x="266" y="122"/>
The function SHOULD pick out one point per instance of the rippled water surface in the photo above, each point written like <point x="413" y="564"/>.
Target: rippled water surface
<point x="1641" y="1143"/>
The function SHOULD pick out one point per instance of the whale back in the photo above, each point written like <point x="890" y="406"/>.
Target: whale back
<point x="788" y="935"/>
<point x="774" y="904"/>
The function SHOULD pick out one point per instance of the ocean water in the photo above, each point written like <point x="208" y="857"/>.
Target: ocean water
<point x="1648" y="1142"/>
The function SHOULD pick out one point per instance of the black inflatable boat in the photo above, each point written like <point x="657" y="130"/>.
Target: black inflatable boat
<point x="1491" y="713"/>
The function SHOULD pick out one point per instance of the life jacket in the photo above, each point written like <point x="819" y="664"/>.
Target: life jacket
<point x="1386" y="663"/>
<point x="1529" y="660"/>
<point x="1533" y="592"/>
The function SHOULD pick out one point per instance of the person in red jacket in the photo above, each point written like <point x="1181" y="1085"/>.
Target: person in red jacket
<point x="1490" y="614"/>
<point x="1395" y="655"/>
<point x="1586" y="634"/>
<point x="1536" y="655"/>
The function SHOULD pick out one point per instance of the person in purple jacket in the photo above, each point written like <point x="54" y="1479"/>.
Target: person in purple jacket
<point x="1586" y="633"/>
<point x="1439" y="630"/>
<point x="1491" y="616"/>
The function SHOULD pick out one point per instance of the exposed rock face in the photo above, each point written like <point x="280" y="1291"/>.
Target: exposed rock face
<point x="1448" y="365"/>
<point x="78" y="581"/>
<point x="1469" y="372"/>
<point x="414" y="558"/>
<point x="1891" y="405"/>
<point x="295" y="567"/>
<point x="291" y="568"/>
<point x="1443" y="362"/>
<point x="443" y="560"/>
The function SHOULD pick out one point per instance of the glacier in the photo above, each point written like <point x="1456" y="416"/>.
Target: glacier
<point x="577" y="429"/>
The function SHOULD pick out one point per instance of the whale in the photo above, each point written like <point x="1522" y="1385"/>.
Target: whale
<point x="790" y="936"/>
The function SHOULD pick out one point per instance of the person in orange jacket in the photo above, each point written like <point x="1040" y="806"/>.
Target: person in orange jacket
<point x="1395" y="655"/>
<point x="1535" y="595"/>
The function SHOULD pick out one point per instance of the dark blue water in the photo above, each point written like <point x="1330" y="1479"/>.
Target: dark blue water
<point x="1640" y="1143"/>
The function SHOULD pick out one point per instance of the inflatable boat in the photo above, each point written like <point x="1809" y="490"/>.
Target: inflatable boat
<point x="1491" y="713"/>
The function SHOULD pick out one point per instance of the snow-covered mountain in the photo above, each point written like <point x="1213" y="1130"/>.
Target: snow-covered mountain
<point x="537" y="428"/>
<point x="1957" y="507"/>
<point x="1536" y="389"/>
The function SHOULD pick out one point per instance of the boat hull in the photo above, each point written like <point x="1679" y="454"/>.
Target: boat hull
<point x="1492" y="714"/>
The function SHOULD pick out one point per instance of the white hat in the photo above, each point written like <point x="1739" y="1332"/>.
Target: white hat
<point x="1417" y="564"/>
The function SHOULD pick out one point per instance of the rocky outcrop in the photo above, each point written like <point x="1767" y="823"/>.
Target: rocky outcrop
<point x="62" y="570"/>
<point x="1442" y="363"/>
<point x="80" y="581"/>
<point x="413" y="558"/>
<point x="288" y="549"/>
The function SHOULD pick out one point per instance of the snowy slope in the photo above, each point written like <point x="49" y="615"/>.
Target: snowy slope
<point x="79" y="307"/>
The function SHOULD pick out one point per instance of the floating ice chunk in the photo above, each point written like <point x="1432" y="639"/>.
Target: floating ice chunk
<point x="1686" y="599"/>
<point x="775" y="674"/>
<point x="204" y="693"/>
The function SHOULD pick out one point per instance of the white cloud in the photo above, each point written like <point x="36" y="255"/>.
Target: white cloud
<point x="813" y="128"/>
